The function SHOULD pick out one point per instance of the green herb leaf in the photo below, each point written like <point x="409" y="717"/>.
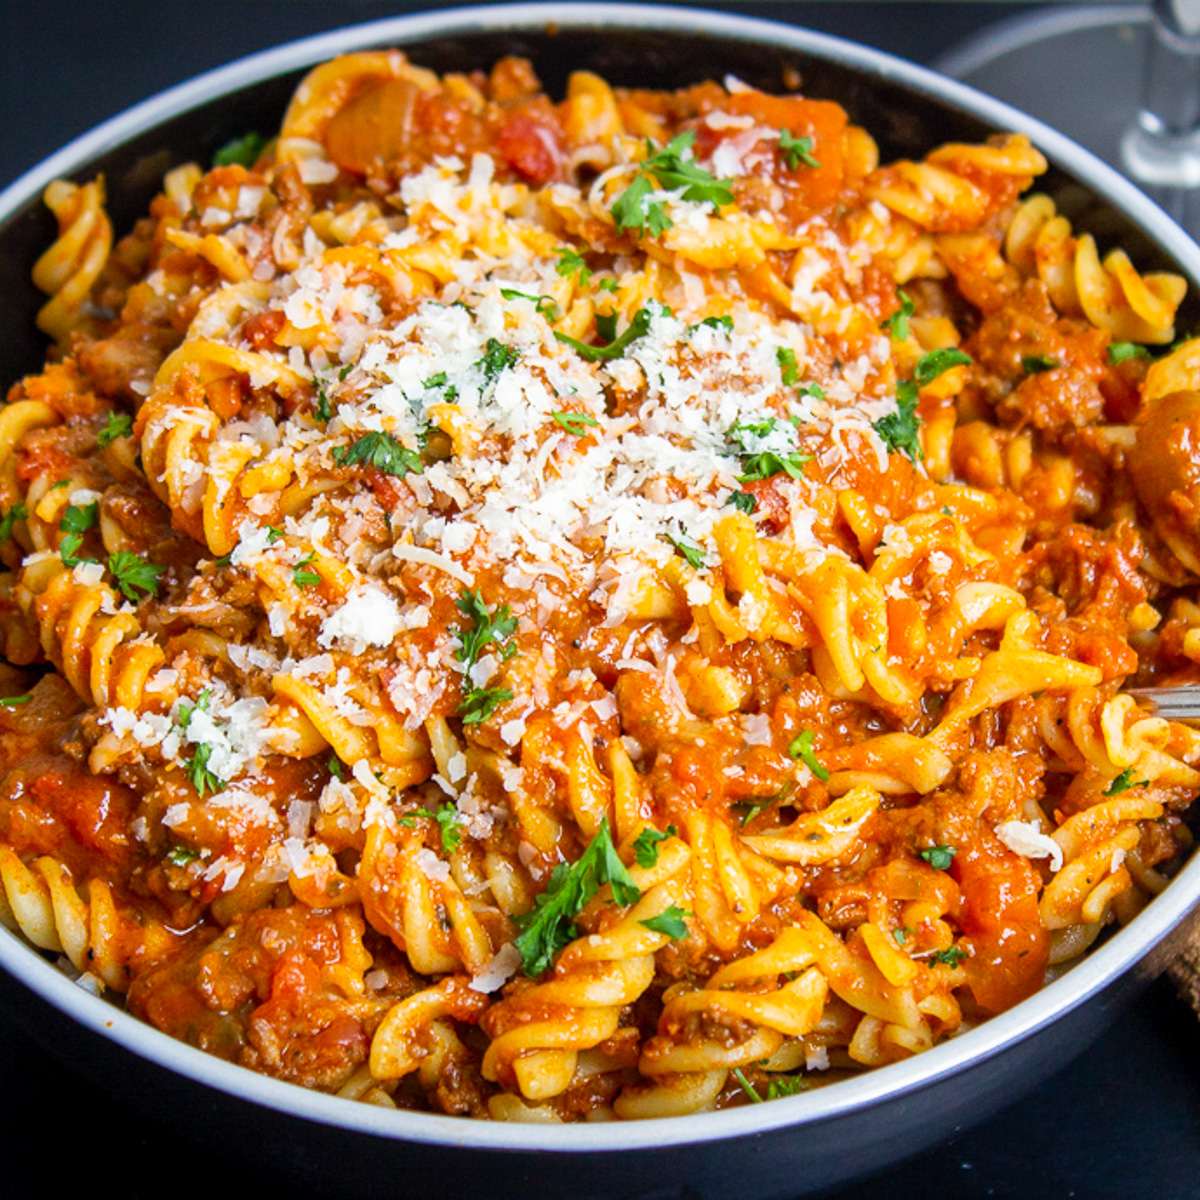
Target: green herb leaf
<point x="18" y="512"/>
<point x="786" y="357"/>
<point x="939" y="857"/>
<point x="15" y="701"/>
<point x="645" y="845"/>
<point x="448" y="824"/>
<point x="1035" y="364"/>
<point x="762" y="464"/>
<point x="951" y="956"/>
<point x="243" y="152"/>
<point x="197" y="771"/>
<point x="133" y="574"/>
<point x="337" y="768"/>
<point x="786" y="1085"/>
<point x="743" y="502"/>
<point x="479" y="704"/>
<point x="381" y="451"/>
<point x="180" y="856"/>
<point x="323" y="410"/>
<point x="546" y="306"/>
<point x="571" y="262"/>
<point x="118" y="425"/>
<point x="801" y="747"/>
<point x="725" y="324"/>
<point x="77" y="519"/>
<point x="900" y="430"/>
<point x="670" y="171"/>
<point x="897" y="323"/>
<point x="302" y="578"/>
<point x="746" y="1086"/>
<point x="576" y="424"/>
<point x="1120" y="352"/>
<point x="638" y="327"/>
<point x="693" y="554"/>
<point x="937" y="362"/>
<point x="550" y="926"/>
<point x="796" y="150"/>
<point x="815" y="390"/>
<point x="1123" y="782"/>
<point x="497" y="357"/>
<point x="900" y="935"/>
<point x="670" y="921"/>
<point x="485" y="627"/>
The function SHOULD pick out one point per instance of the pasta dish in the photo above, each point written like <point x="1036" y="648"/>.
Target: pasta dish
<point x="589" y="609"/>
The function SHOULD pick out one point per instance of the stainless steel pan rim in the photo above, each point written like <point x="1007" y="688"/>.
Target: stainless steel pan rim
<point x="1122" y="953"/>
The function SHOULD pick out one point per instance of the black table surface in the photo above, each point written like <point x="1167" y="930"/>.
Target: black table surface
<point x="1122" y="1121"/>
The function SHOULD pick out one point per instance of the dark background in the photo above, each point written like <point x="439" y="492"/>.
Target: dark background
<point x="1122" y="1121"/>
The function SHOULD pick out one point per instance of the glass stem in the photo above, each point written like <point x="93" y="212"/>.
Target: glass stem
<point x="1161" y="149"/>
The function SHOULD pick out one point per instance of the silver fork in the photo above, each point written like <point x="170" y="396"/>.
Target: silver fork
<point x="1173" y="703"/>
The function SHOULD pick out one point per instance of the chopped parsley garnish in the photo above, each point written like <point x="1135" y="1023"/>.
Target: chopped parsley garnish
<point x="15" y="701"/>
<point x="670" y="171"/>
<point x="546" y="306"/>
<point x="197" y="766"/>
<point x="897" y="323"/>
<point x="337" y="768"/>
<point x="900" y="430"/>
<point x="762" y="464"/>
<point x="76" y="521"/>
<point x="133" y="574"/>
<point x="1123" y="782"/>
<point x="550" y="926"/>
<point x="939" y="857"/>
<point x="796" y="150"/>
<point x="448" y="824"/>
<point x="760" y="804"/>
<point x="937" y="362"/>
<point x="197" y="770"/>
<point x="497" y="357"/>
<point x="670" y="921"/>
<point x="1035" y="364"/>
<point x="242" y="152"/>
<point x="725" y="324"/>
<point x="79" y="519"/>
<point x="479" y="703"/>
<point x="485" y="627"/>
<point x="693" y="554"/>
<point x="1120" y="352"/>
<point x="815" y="390"/>
<point x="118" y="425"/>
<point x="743" y="501"/>
<point x="608" y="285"/>
<point x="303" y="578"/>
<point x="901" y="934"/>
<point x="180" y="856"/>
<point x="746" y="1086"/>
<point x="645" y="845"/>
<point x="570" y="262"/>
<point x="801" y="747"/>
<point x="785" y="356"/>
<point x="323" y="411"/>
<point x="18" y="512"/>
<point x="381" y="451"/>
<point x="615" y="346"/>
<point x="786" y="1085"/>
<point x="951" y="956"/>
<point x="574" y="423"/>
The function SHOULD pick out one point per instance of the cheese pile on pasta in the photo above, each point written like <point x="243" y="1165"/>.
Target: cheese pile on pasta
<point x="597" y="609"/>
